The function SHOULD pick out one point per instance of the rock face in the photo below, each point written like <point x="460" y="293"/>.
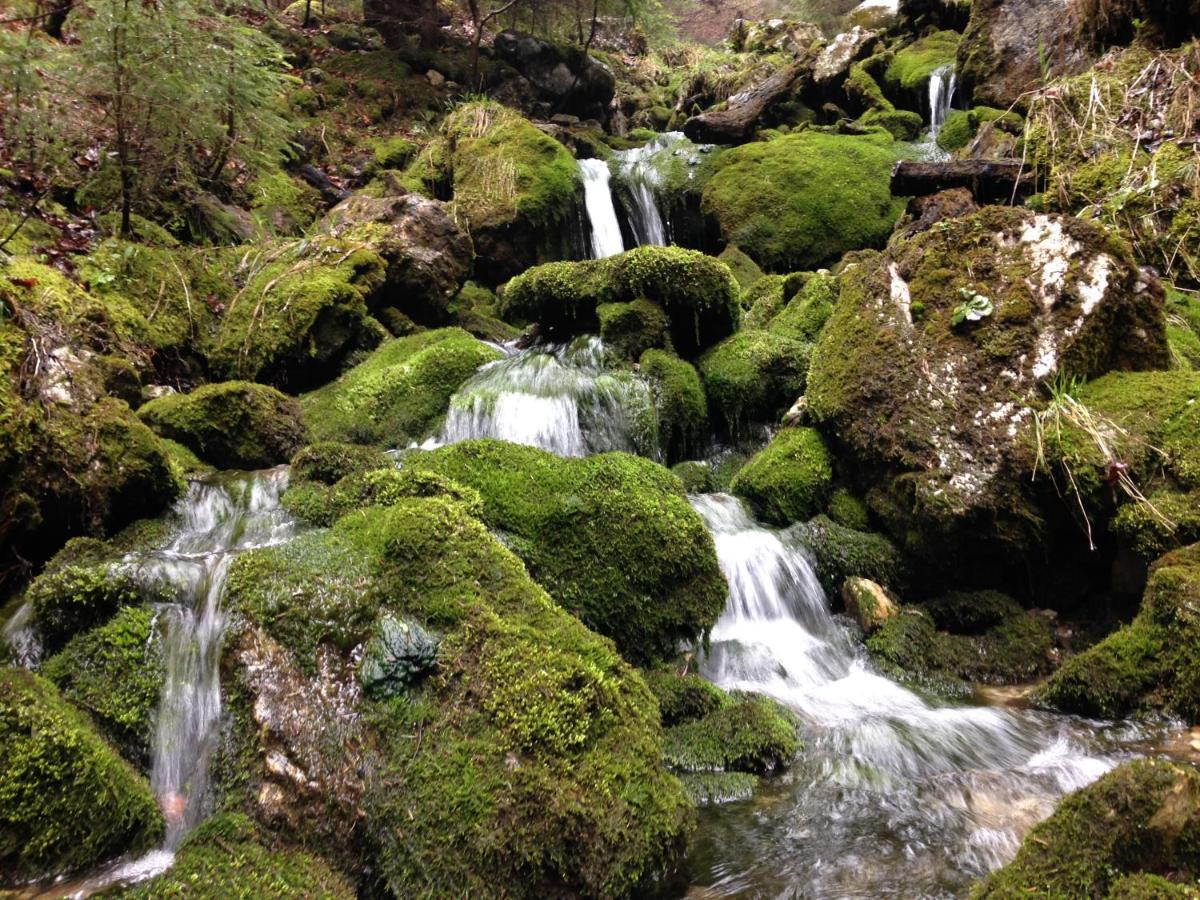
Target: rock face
<point x="935" y="408"/>
<point x="428" y="256"/>
<point x="1008" y="42"/>
<point x="566" y="79"/>
<point x="774" y="36"/>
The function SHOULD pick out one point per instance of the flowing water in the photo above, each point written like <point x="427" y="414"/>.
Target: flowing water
<point x="893" y="795"/>
<point x="942" y="84"/>
<point x="639" y="175"/>
<point x="559" y="398"/>
<point x="606" y="237"/>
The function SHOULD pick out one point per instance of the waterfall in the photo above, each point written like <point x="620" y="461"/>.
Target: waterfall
<point x="560" y="398"/>
<point x="640" y="174"/>
<point x="941" y="95"/>
<point x="602" y="215"/>
<point x="893" y="794"/>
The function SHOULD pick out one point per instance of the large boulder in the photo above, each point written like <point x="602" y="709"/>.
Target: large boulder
<point x="428" y="256"/>
<point x="752" y="377"/>
<point x="566" y="79"/>
<point x="789" y="479"/>
<point x="938" y="350"/>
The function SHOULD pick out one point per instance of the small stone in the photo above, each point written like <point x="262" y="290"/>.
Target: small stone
<point x="867" y="603"/>
<point x="434" y="77"/>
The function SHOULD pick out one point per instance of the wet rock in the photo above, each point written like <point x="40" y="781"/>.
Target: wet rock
<point x="867" y="603"/>
<point x="565" y="78"/>
<point x="789" y="479"/>
<point x="925" y="212"/>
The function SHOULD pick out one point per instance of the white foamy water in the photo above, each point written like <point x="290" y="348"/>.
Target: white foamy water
<point x="894" y="794"/>
<point x="606" y="237"/>
<point x="942" y="84"/>
<point x="641" y="177"/>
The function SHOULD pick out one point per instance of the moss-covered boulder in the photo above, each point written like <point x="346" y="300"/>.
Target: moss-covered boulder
<point x="800" y="201"/>
<point x="629" y="329"/>
<point x="56" y="775"/>
<point x="680" y="404"/>
<point x="753" y="377"/>
<point x="1140" y="820"/>
<point x="938" y="351"/>
<point x="789" y="479"/>
<point x="399" y="393"/>
<point x="230" y="856"/>
<point x="428" y="256"/>
<point x="611" y="537"/>
<point x="682" y="697"/>
<point x="1153" y="663"/>
<point x="328" y="462"/>
<point x="746" y="733"/>
<point x="115" y="673"/>
<point x="911" y="66"/>
<point x="293" y="312"/>
<point x="232" y="425"/>
<point x="806" y="312"/>
<point x="698" y="294"/>
<point x="840" y="551"/>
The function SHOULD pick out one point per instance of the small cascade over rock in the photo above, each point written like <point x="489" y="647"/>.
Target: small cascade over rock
<point x="559" y="398"/>
<point x="640" y="176"/>
<point x="942" y="84"/>
<point x="894" y="795"/>
<point x="605" y="230"/>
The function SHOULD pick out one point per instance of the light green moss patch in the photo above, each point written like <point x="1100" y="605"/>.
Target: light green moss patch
<point x="789" y="479"/>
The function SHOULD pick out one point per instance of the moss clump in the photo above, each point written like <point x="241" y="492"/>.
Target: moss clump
<point x="789" y="479"/>
<point x="807" y="312"/>
<point x="393" y="151"/>
<point x="400" y="392"/>
<point x="612" y="537"/>
<point x="56" y="775"/>
<point x="805" y="199"/>
<point x="744" y="269"/>
<point x="712" y="788"/>
<point x="679" y="402"/>
<point x="1150" y="664"/>
<point x="849" y="511"/>
<point x="747" y="733"/>
<point x="683" y="698"/>
<point x="763" y="300"/>
<point x="971" y="612"/>
<point x="1168" y="520"/>
<point x="629" y="329"/>
<point x="1140" y="818"/>
<point x="901" y="124"/>
<point x="695" y="475"/>
<point x="328" y="462"/>
<point x="956" y="131"/>
<point x="230" y="856"/>
<point x="911" y="67"/>
<point x="753" y="376"/>
<point x="233" y="425"/>
<point x="321" y="505"/>
<point x="294" y="311"/>
<point x="697" y="292"/>
<point x="841" y="552"/>
<point x="115" y="673"/>
<point x="282" y="205"/>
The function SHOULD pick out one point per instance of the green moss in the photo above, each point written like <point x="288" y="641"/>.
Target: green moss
<point x="744" y="269"/>
<point x="115" y="673"/>
<point x="683" y="698"/>
<point x="1143" y="886"/>
<point x="849" y="511"/>
<point x="393" y="151"/>
<point x="956" y="132"/>
<point x="789" y="479"/>
<point x="805" y="199"/>
<point x="679" y="402"/>
<point x="400" y="392"/>
<point x="910" y="649"/>
<point x="1168" y="520"/>
<point x="283" y="205"/>
<point x="629" y="329"/>
<point x="901" y="124"/>
<point x="184" y="462"/>
<point x="971" y="612"/>
<point x="911" y="67"/>
<point x="750" y="733"/>
<point x="230" y="856"/>
<point x="380" y="487"/>
<point x="698" y="293"/>
<point x="695" y="475"/>
<point x="753" y="376"/>
<point x="763" y="301"/>
<point x="864" y="90"/>
<point x="612" y="537"/>
<point x="841" y="552"/>
<point x="56" y="775"/>
<point x="1141" y="817"/>
<point x="328" y="462"/>
<point x="712" y="788"/>
<point x="232" y="425"/>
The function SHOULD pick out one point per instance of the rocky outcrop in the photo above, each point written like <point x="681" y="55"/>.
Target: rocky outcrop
<point x="774" y="36"/>
<point x="565" y="79"/>
<point x="833" y="64"/>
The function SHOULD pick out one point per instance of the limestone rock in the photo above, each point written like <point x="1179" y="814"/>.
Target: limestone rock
<point x="867" y="603"/>
<point x="833" y="64"/>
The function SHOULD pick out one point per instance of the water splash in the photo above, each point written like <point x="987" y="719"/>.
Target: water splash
<point x="606" y="237"/>
<point x="560" y="399"/>
<point x="942" y="84"/>
<point x="893" y="795"/>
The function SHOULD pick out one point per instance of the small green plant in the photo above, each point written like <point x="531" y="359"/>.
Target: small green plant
<point x="975" y="306"/>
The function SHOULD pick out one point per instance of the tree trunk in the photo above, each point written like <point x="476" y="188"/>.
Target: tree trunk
<point x="737" y="122"/>
<point x="988" y="180"/>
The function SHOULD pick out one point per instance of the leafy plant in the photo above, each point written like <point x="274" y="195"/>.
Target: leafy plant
<point x="975" y="306"/>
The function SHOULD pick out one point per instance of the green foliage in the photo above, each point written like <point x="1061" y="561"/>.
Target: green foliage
<point x="611" y="536"/>
<point x="56" y="776"/>
<point x="789" y="479"/>
<point x="750" y="733"/>
<point x="228" y="855"/>
<point x="1141" y="817"/>
<point x="233" y="425"/>
<point x="974" y="307"/>
<point x="398" y="656"/>
<point x="753" y="376"/>
<point x="679" y="402"/>
<point x="804" y="199"/>
<point x="400" y="392"/>
<point x="115" y="673"/>
<point x="698" y="293"/>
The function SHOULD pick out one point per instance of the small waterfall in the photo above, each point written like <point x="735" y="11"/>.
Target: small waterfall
<point x="561" y="399"/>
<point x="893" y="795"/>
<point x="602" y="214"/>
<point x="942" y="83"/>
<point x="640" y="176"/>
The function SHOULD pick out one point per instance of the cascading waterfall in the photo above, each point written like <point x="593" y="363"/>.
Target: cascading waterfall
<point x="942" y="83"/>
<point x="606" y="237"/>
<point x="641" y="178"/>
<point x="893" y="795"/>
<point x="561" y="399"/>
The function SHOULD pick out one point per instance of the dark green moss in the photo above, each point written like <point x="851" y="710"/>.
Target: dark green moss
<point x="232" y="425"/>
<point x="56" y="776"/>
<point x="321" y="505"/>
<point x="683" y="698"/>
<point x="629" y="329"/>
<point x="1169" y="519"/>
<point x="849" y="511"/>
<point x="911" y="67"/>
<point x="680" y="404"/>
<point x="841" y="552"/>
<point x="750" y="733"/>
<point x="971" y="612"/>
<point x="696" y="476"/>
<point x="753" y="376"/>
<point x="744" y="269"/>
<point x="789" y="479"/>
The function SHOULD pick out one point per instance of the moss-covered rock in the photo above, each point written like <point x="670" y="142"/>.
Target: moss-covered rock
<point x="232" y="425"/>
<point x="789" y="479"/>
<point x="1149" y="664"/>
<point x="840" y="552"/>
<point x="1141" y="819"/>
<point x="971" y="612"/>
<point x="746" y="733"/>
<point x="752" y="377"/>
<point x="629" y="329"/>
<point x="612" y="537"/>
<point x="321" y="505"/>
<point x="804" y="199"/>
<point x="682" y="698"/>
<point x="294" y="311"/>
<point x="911" y="66"/>
<point x="938" y="407"/>
<point x="115" y="673"/>
<point x="847" y="510"/>
<point x="680" y="404"/>
<point x="230" y="856"/>
<point x="328" y="462"/>
<point x="56" y="775"/>
<point x="399" y="393"/>
<point x="744" y="269"/>
<point x="695" y="475"/>
<point x="697" y="292"/>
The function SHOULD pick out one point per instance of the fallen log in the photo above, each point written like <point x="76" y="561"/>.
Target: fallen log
<point x="988" y="180"/>
<point x="737" y="122"/>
